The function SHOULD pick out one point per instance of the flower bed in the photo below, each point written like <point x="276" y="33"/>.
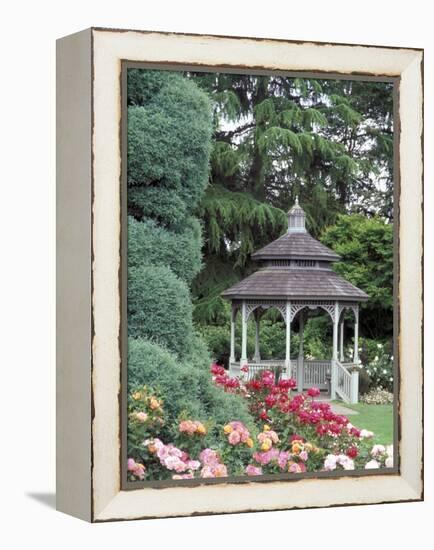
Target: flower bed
<point x="293" y="433"/>
<point x="377" y="396"/>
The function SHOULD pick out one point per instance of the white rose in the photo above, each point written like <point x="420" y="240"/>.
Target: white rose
<point x="330" y="462"/>
<point x="372" y="465"/>
<point x="366" y="433"/>
<point x="346" y="462"/>
<point x="378" y="450"/>
<point x="389" y="462"/>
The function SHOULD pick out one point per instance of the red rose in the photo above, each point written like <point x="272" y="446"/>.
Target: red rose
<point x="355" y="432"/>
<point x="352" y="452"/>
<point x="270" y="401"/>
<point x="321" y="429"/>
<point x="313" y="392"/>
<point x="335" y="429"/>
<point x="217" y="369"/>
<point x="314" y="418"/>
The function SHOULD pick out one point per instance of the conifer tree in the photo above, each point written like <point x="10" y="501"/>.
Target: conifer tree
<point x="328" y="141"/>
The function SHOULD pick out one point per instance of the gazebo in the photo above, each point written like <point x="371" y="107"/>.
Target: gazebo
<point x="296" y="277"/>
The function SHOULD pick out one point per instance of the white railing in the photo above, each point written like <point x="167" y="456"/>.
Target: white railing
<point x="277" y="367"/>
<point x="347" y="382"/>
<point x="317" y="373"/>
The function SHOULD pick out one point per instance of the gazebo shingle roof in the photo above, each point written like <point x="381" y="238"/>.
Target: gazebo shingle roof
<point x="297" y="267"/>
<point x="296" y="245"/>
<point x="281" y="283"/>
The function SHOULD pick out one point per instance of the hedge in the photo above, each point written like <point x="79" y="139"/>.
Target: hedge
<point x="169" y="133"/>
<point x="149" y="243"/>
<point x="159" y="307"/>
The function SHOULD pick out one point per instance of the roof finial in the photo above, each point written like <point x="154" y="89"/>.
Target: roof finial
<point x="296" y="218"/>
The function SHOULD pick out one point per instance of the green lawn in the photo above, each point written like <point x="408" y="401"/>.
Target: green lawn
<point x="376" y="418"/>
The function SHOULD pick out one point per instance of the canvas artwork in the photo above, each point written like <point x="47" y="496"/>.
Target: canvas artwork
<point x="260" y="277"/>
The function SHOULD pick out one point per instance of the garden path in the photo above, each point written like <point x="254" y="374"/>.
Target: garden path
<point x="340" y="409"/>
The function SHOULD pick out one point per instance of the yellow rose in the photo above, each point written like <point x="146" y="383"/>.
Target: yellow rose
<point x="308" y="447"/>
<point x="154" y="403"/>
<point x="227" y="429"/>
<point x="266" y="428"/>
<point x="201" y="429"/>
<point x="296" y="448"/>
<point x="136" y="395"/>
<point x="266" y="445"/>
<point x="249" y="442"/>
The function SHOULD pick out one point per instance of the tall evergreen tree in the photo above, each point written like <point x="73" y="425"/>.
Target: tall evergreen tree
<point x="328" y="141"/>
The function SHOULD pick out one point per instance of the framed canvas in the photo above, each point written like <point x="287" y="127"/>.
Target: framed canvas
<point x="239" y="274"/>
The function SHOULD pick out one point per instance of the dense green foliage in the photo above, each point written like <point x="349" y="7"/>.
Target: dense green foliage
<point x="159" y="307"/>
<point x="150" y="243"/>
<point x="169" y="134"/>
<point x="330" y="142"/>
<point x="366" y="249"/>
<point x="186" y="386"/>
<point x="169" y="130"/>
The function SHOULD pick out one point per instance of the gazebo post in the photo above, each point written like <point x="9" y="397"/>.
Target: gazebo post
<point x="300" y="362"/>
<point x="288" y="340"/>
<point x="243" y="360"/>
<point x="233" y="316"/>
<point x="257" y="356"/>
<point x="341" y="341"/>
<point x="335" y="351"/>
<point x="356" y="335"/>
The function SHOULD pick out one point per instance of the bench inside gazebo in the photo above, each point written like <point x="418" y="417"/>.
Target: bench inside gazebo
<point x="296" y="277"/>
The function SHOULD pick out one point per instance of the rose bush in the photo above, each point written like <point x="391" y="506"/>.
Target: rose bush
<point x="294" y="433"/>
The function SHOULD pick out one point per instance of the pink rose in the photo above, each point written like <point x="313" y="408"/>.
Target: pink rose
<point x="253" y="470"/>
<point x="234" y="437"/>
<point x="193" y="464"/>
<point x="220" y="470"/>
<point x="207" y="471"/>
<point x="208" y="457"/>
<point x="283" y="459"/>
<point x="303" y="455"/>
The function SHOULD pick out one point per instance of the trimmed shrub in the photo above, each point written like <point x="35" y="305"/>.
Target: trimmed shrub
<point x="186" y="387"/>
<point x="169" y="133"/>
<point x="159" y="308"/>
<point x="162" y="205"/>
<point x="150" y="244"/>
<point x="144" y="85"/>
<point x="152" y="365"/>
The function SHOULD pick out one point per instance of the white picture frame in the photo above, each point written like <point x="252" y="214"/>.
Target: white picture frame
<point x="89" y="304"/>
